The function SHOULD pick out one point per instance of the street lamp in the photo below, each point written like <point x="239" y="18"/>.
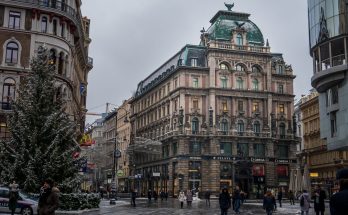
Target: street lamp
<point x="116" y="155"/>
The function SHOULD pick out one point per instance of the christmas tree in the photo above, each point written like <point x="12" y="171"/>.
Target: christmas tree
<point x="43" y="137"/>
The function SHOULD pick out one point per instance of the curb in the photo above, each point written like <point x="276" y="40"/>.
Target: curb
<point x="79" y="212"/>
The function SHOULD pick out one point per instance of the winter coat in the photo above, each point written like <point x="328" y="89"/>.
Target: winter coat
<point x="236" y="195"/>
<point x="319" y="204"/>
<point x="134" y="194"/>
<point x="268" y="203"/>
<point x="189" y="196"/>
<point x="49" y="202"/>
<point x="224" y="200"/>
<point x="307" y="201"/>
<point x="182" y="197"/>
<point x="339" y="202"/>
<point x="280" y="195"/>
<point x="207" y="195"/>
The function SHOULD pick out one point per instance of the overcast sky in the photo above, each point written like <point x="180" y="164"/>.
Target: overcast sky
<point x="130" y="39"/>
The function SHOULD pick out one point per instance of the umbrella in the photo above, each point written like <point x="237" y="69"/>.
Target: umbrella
<point x="306" y="185"/>
<point x="298" y="182"/>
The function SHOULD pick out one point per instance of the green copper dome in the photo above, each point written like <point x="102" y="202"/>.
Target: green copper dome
<point x="225" y="21"/>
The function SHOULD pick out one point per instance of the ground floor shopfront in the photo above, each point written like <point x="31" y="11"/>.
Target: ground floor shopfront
<point x="202" y="173"/>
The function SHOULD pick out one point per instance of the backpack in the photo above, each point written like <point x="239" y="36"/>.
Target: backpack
<point x="302" y="201"/>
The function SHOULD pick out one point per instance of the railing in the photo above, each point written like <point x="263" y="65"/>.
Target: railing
<point x="338" y="60"/>
<point x="222" y="45"/>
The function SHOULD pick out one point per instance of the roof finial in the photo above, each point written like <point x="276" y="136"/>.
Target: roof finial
<point x="229" y="6"/>
<point x="267" y="43"/>
<point x="203" y="30"/>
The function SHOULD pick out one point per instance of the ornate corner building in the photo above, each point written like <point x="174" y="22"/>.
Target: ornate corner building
<point x="27" y="24"/>
<point x="223" y="112"/>
<point x="329" y="49"/>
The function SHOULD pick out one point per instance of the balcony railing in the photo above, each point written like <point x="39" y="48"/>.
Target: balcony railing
<point x="229" y="46"/>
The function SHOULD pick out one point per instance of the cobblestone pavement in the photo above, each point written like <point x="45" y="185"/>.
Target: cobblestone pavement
<point x="172" y="207"/>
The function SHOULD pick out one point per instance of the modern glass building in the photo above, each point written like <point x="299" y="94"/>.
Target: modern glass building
<point x="328" y="28"/>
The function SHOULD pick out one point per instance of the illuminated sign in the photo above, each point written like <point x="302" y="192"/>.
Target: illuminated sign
<point x="314" y="174"/>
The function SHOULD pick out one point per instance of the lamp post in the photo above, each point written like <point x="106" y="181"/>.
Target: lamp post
<point x="116" y="155"/>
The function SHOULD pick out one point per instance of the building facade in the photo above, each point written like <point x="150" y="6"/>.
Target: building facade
<point x="60" y="27"/>
<point x="322" y="164"/>
<point x="222" y="111"/>
<point x="328" y="47"/>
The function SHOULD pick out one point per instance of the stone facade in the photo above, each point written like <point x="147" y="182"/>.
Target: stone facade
<point x="222" y="111"/>
<point x="58" y="25"/>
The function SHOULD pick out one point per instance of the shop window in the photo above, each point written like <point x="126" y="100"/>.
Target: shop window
<point x="283" y="171"/>
<point x="258" y="170"/>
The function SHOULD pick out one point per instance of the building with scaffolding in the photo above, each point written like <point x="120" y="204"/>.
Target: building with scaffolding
<point x="215" y="115"/>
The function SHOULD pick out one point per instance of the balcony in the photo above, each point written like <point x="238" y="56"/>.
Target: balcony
<point x="229" y="46"/>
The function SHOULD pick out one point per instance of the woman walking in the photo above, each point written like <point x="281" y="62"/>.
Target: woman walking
<point x="182" y="198"/>
<point x="189" y="198"/>
<point x="305" y="202"/>
<point x="291" y="197"/>
<point x="269" y="202"/>
<point x="224" y="201"/>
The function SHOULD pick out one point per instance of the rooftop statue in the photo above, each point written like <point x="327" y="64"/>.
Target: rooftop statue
<point x="229" y="6"/>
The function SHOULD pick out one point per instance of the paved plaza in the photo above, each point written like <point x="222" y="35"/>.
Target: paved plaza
<point x="171" y="206"/>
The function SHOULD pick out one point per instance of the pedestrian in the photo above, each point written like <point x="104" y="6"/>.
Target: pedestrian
<point x="207" y="197"/>
<point x="269" y="202"/>
<point x="339" y="201"/>
<point x="189" y="198"/>
<point x="182" y="198"/>
<point x="133" y="196"/>
<point x="236" y="200"/>
<point x="162" y="195"/>
<point x="280" y="196"/>
<point x="149" y="195"/>
<point x="49" y="199"/>
<point x="166" y="195"/>
<point x="13" y="197"/>
<point x="224" y="201"/>
<point x="319" y="198"/>
<point x="291" y="197"/>
<point x="155" y="195"/>
<point x="305" y="202"/>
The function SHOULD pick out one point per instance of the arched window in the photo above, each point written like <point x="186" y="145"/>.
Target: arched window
<point x="223" y="66"/>
<point x="195" y="125"/>
<point x="282" y="130"/>
<point x="255" y="69"/>
<point x="11" y="52"/>
<point x="240" y="127"/>
<point x="60" y="63"/>
<point x="224" y="126"/>
<point x="223" y="81"/>
<point x="240" y="83"/>
<point x="240" y="68"/>
<point x="8" y="93"/>
<point x="239" y="40"/>
<point x="44" y="24"/>
<point x="255" y="84"/>
<point x="256" y="128"/>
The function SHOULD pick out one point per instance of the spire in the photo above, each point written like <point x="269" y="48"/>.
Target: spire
<point x="267" y="43"/>
<point x="229" y="6"/>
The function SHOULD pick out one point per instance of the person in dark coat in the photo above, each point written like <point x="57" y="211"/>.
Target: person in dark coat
<point x="224" y="201"/>
<point x="207" y="197"/>
<point x="133" y="196"/>
<point x="149" y="195"/>
<point x="49" y="199"/>
<point x="155" y="195"/>
<point x="339" y="201"/>
<point x="280" y="196"/>
<point x="291" y="197"/>
<point x="236" y="200"/>
<point x="269" y="202"/>
<point x="319" y="198"/>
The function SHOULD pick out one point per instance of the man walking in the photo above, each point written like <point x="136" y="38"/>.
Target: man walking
<point x="133" y="196"/>
<point x="48" y="200"/>
<point x="319" y="197"/>
<point x="207" y="198"/>
<point x="339" y="201"/>
<point x="224" y="201"/>
<point x="236" y="200"/>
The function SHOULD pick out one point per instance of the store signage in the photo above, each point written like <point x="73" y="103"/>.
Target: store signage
<point x="156" y="174"/>
<point x="284" y="161"/>
<point x="314" y="174"/>
<point x="257" y="159"/>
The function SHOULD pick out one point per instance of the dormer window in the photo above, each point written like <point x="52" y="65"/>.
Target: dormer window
<point x="280" y="69"/>
<point x="239" y="39"/>
<point x="194" y="62"/>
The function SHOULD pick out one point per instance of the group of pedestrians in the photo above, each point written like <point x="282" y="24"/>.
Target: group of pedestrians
<point x="188" y="197"/>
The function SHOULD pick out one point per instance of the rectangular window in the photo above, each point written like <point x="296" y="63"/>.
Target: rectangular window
<point x="226" y="149"/>
<point x="195" y="148"/>
<point x="62" y="32"/>
<point x="195" y="82"/>
<point x="44" y="25"/>
<point x="283" y="151"/>
<point x="195" y="104"/>
<point x="224" y="106"/>
<point x="223" y="82"/>
<point x="255" y="107"/>
<point x="175" y="104"/>
<point x="168" y="88"/>
<point x="333" y="124"/>
<point x="194" y="62"/>
<point x="280" y="88"/>
<point x="240" y="106"/>
<point x="175" y="148"/>
<point x="175" y="83"/>
<point x="283" y="171"/>
<point x="242" y="150"/>
<point x="14" y="20"/>
<point x="281" y="108"/>
<point x="259" y="150"/>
